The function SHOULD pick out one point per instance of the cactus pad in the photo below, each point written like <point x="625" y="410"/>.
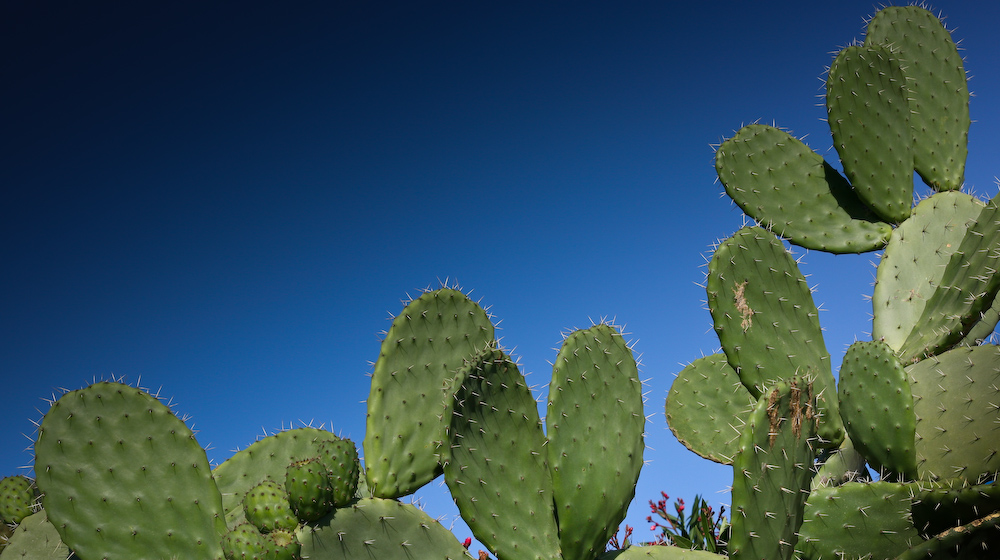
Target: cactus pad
<point x="340" y="457"/>
<point x="956" y="399"/>
<point x="870" y="520"/>
<point x="764" y="314"/>
<point x="382" y="529"/>
<point x="938" y="90"/>
<point x="780" y="182"/>
<point x="771" y="473"/>
<point x="707" y="407"/>
<point x="412" y="388"/>
<point x="497" y="471"/>
<point x="310" y="492"/>
<point x="595" y="425"/>
<point x="266" y="507"/>
<point x="122" y="477"/>
<point x="17" y="498"/>
<point x="877" y="408"/>
<point x="35" y="539"/>
<point x="869" y="117"/>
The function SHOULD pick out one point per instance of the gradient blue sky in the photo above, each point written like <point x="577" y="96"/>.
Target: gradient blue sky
<point x="228" y="200"/>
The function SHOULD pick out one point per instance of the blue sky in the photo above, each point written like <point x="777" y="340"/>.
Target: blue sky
<point x="227" y="201"/>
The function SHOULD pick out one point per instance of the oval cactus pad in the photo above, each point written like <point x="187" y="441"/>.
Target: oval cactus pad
<point x="123" y="478"/>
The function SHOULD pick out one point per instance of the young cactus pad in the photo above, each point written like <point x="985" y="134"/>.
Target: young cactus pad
<point x="595" y="427"/>
<point x="123" y="478"/>
<point x="413" y="386"/>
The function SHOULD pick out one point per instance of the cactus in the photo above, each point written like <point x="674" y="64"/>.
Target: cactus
<point x="919" y="400"/>
<point x="36" y="539"/>
<point x="771" y="472"/>
<point x="707" y="408"/>
<point x="413" y="387"/>
<point x="122" y="477"/>
<point x="379" y="528"/>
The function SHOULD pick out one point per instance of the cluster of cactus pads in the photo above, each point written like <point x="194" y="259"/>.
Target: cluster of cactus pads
<point x="121" y="477"/>
<point x="919" y="403"/>
<point x="118" y="476"/>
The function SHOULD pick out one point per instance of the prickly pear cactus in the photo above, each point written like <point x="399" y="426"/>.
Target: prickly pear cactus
<point x="413" y="386"/>
<point x="919" y="401"/>
<point x="380" y="528"/>
<point x="122" y="477"/>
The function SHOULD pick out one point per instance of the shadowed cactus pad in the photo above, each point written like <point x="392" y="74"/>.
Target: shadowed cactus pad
<point x="497" y="471"/>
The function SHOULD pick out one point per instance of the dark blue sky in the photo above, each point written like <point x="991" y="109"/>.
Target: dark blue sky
<point x="229" y="199"/>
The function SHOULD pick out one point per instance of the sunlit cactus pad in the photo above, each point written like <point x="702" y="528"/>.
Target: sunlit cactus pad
<point x="123" y="478"/>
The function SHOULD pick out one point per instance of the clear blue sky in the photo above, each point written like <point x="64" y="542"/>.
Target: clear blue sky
<point x="228" y="200"/>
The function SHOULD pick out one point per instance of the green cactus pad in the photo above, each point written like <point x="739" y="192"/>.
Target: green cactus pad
<point x="938" y="91"/>
<point x="766" y="320"/>
<point x="594" y="424"/>
<point x="266" y="507"/>
<point x="659" y="553"/>
<point x="771" y="473"/>
<point x="870" y="520"/>
<point x="266" y="458"/>
<point x="498" y="472"/>
<point x="340" y="457"/>
<point x="122" y="477"/>
<point x="35" y="539"/>
<point x="956" y="399"/>
<point x="17" y="498"/>
<point x="707" y="407"/>
<point x="780" y="182"/>
<point x="310" y="492"/>
<point x="877" y="408"/>
<point x="870" y="120"/>
<point x="379" y="529"/>
<point x="412" y="388"/>
<point x="935" y="279"/>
